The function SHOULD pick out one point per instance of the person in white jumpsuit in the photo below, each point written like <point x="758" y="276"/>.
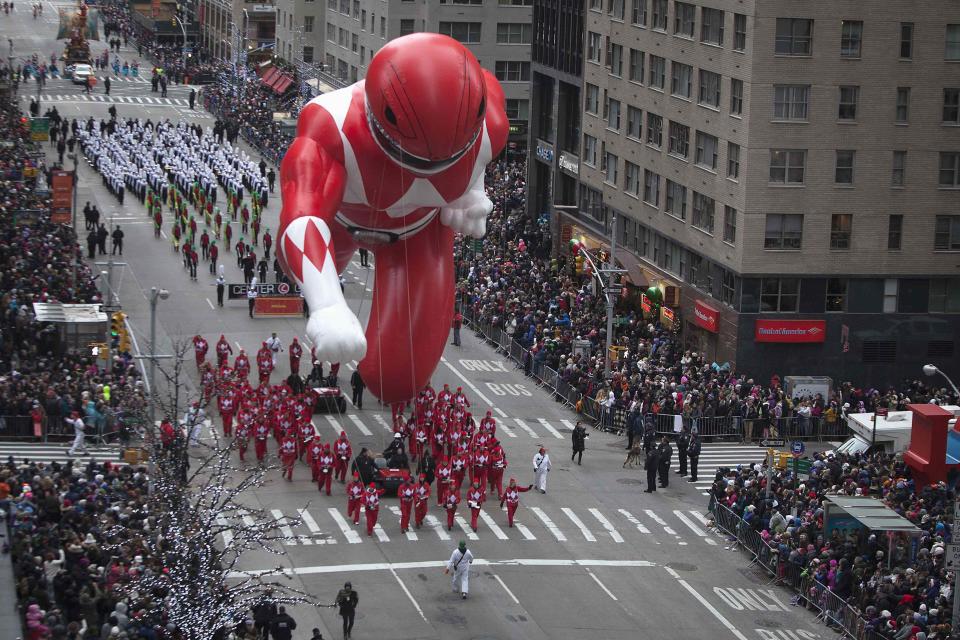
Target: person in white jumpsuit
<point x="194" y="419"/>
<point x="459" y="566"/>
<point x="541" y="467"/>
<point x="78" y="433"/>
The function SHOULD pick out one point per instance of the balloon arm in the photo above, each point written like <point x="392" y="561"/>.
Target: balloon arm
<point x="468" y="213"/>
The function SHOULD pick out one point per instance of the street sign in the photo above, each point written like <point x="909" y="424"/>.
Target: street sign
<point x="773" y="442"/>
<point x="797" y="448"/>
<point x="615" y="289"/>
<point x="956" y="512"/>
<point x="952" y="562"/>
<point x="39" y="129"/>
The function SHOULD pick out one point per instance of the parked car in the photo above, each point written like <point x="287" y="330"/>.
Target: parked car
<point x="81" y="72"/>
<point x="68" y="70"/>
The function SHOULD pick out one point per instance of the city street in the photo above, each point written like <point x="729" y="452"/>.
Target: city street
<point x="593" y="557"/>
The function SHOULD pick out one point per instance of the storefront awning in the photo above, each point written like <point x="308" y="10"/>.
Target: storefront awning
<point x="282" y="83"/>
<point x="270" y="76"/>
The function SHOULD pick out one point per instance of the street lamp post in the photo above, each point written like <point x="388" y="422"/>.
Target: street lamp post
<point x="932" y="370"/>
<point x="155" y="296"/>
<point x="183" y="48"/>
<point x="73" y="221"/>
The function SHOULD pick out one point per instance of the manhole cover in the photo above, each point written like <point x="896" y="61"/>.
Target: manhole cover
<point x="616" y="445"/>
<point x="629" y="481"/>
<point x="768" y="623"/>
<point x="681" y="566"/>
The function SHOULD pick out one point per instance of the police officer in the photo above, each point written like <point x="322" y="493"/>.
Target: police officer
<point x="282" y="626"/>
<point x="221" y="283"/>
<point x="693" y="452"/>
<point x="664" y="457"/>
<point x="347" y="600"/>
<point x="683" y="443"/>
<point x="650" y="464"/>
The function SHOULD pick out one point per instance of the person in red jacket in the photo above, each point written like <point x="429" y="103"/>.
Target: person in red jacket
<point x="476" y="495"/>
<point x="406" y="492"/>
<point x="418" y="442"/>
<point x="314" y="451"/>
<point x="460" y="399"/>
<point x="264" y="363"/>
<point x="371" y="506"/>
<point x="354" y="498"/>
<point x="421" y="501"/>
<point x="168" y="434"/>
<point x="489" y="424"/>
<point x="241" y="365"/>
<point x="288" y="456"/>
<point x="496" y="467"/>
<point x="296" y="352"/>
<point x="227" y="405"/>
<point x="261" y="433"/>
<point x="306" y="432"/>
<point x="458" y="468"/>
<point x="450" y="504"/>
<point x="242" y="437"/>
<point x="478" y="466"/>
<point x="325" y="476"/>
<point x="512" y="497"/>
<point x="224" y="351"/>
<point x="439" y="442"/>
<point x="342" y="452"/>
<point x="444" y="475"/>
<point x="200" y="348"/>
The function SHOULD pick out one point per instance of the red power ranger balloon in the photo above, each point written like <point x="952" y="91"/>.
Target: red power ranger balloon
<point x="395" y="164"/>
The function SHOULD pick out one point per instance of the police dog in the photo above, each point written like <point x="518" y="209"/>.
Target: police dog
<point x="635" y="457"/>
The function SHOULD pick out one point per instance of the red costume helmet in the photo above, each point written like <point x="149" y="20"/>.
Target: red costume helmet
<point x="426" y="99"/>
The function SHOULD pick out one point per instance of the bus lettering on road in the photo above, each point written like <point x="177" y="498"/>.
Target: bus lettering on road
<point x="786" y="634"/>
<point x="484" y="365"/>
<point x="503" y="389"/>
<point x="750" y="599"/>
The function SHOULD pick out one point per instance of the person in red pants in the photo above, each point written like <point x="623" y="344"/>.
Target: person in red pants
<point x="512" y="497"/>
<point x="354" y="498"/>
<point x="476" y="494"/>
<point x="478" y="467"/>
<point x="314" y="451"/>
<point x="498" y="463"/>
<point x="458" y="467"/>
<point x="288" y="456"/>
<point x="444" y="475"/>
<point x="224" y="351"/>
<point x="342" y="451"/>
<point x="406" y="492"/>
<point x="227" y="405"/>
<point x="296" y="352"/>
<point x="450" y="504"/>
<point x="306" y="432"/>
<point x="264" y="363"/>
<point x="260" y="434"/>
<point x="242" y="437"/>
<point x="200" y="348"/>
<point x="371" y="506"/>
<point x="325" y="476"/>
<point x="421" y="501"/>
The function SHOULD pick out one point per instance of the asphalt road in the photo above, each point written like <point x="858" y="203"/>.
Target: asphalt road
<point x="593" y="557"/>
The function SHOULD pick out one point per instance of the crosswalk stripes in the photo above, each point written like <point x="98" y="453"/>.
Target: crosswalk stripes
<point x="548" y="523"/>
<point x="380" y="533"/>
<point x="666" y="528"/>
<point x="497" y="531"/>
<point x="47" y="452"/>
<point x="352" y="536"/>
<point x="606" y="524"/>
<point x="120" y="100"/>
<point x="523" y="425"/>
<point x="470" y="533"/>
<point x="362" y="427"/>
<point x="588" y="536"/>
<point x="690" y="525"/>
<point x="395" y="510"/>
<point x="642" y="528"/>
<point x="716" y="455"/>
<point x="437" y="527"/>
<point x="548" y="427"/>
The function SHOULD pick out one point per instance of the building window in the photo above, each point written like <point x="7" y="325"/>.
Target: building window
<point x="733" y="161"/>
<point x="790" y="101"/>
<point x="783" y="231"/>
<point x="596" y="5"/>
<point x="658" y="71"/>
<point x="406" y="26"/>
<point x="518" y="109"/>
<point x="851" y="37"/>
<point x="512" y="71"/>
<point x="728" y="287"/>
<point x="615" y="9"/>
<point x="710" y="89"/>
<point x="848" y="102"/>
<point x="684" y="19"/>
<point x="636" y="66"/>
<point x="514" y="33"/>
<point x="679" y="144"/>
<point x="841" y="227"/>
<point x="345" y="7"/>
<point x="355" y="43"/>
<point x="515" y="3"/>
<point x="707" y="150"/>
<point x="676" y="204"/>
<point x="589" y="150"/>
<point x="610" y="167"/>
<point x="615" y="60"/>
<point x="631" y="178"/>
<point x="945" y="295"/>
<point x="704" y="209"/>
<point x="739" y="32"/>
<point x="711" y="26"/>
<point x="950" y="169"/>
<point x="681" y="80"/>
<point x="890" y="288"/>
<point x="613" y="114"/>
<point x="654" y="130"/>
<point x="651" y="187"/>
<point x="331" y="32"/>
<point x="895" y="231"/>
<point x="659" y="15"/>
<point x="906" y="40"/>
<point x="591" y="99"/>
<point x="634" y="123"/>
<point x="947" y="233"/>
<point x="794" y="37"/>
<point x="383" y="27"/>
<point x="308" y="24"/>
<point x="843" y="173"/>
<point x="779" y="295"/>
<point x="594" y="47"/>
<point x="736" y="97"/>
<point x="951" y="106"/>
<point x="729" y="224"/>
<point x="638" y="12"/>
<point x="836" y="295"/>
<point x="952" y="42"/>
<point x="898" y="177"/>
<point x="787" y="165"/>
<point x="902" y="110"/>
<point x="308" y="55"/>
<point x="465" y="32"/>
<point x="332" y="5"/>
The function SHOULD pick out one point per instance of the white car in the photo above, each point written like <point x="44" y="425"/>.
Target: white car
<point x="81" y="72"/>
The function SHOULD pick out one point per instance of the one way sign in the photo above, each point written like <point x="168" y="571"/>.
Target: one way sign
<point x="770" y="442"/>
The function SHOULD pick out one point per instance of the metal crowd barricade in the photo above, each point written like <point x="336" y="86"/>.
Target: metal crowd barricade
<point x="707" y="427"/>
<point x="18" y="428"/>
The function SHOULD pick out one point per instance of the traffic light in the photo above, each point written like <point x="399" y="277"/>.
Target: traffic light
<point x="118" y="332"/>
<point x="575" y="247"/>
<point x="578" y="261"/>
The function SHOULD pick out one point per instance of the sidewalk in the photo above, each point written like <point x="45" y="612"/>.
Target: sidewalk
<point x="9" y="616"/>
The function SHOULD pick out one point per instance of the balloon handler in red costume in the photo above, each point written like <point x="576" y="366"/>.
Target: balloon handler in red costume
<point x="394" y="164"/>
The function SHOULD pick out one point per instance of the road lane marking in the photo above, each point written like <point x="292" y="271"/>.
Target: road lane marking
<point x="383" y="423"/>
<point x="466" y="527"/>
<point x="409" y="595"/>
<point x="245" y="517"/>
<point x="690" y="525"/>
<point x="606" y="524"/>
<point x="434" y="524"/>
<point x="313" y="527"/>
<point x="523" y="425"/>
<point x="602" y="586"/>
<point x="503" y="426"/>
<point x="352" y="536"/>
<point x="396" y="511"/>
<point x="225" y="532"/>
<point x="642" y="528"/>
<point x="497" y="531"/>
<point x="238" y="344"/>
<point x="709" y="607"/>
<point x="363" y="428"/>
<point x="660" y="521"/>
<point x="548" y="427"/>
<point x="548" y="523"/>
<point x="209" y="303"/>
<point x="477" y="391"/>
<point x="567" y="424"/>
<point x="579" y="523"/>
<point x="381" y="534"/>
<point x="286" y="530"/>
<point x="505" y="588"/>
<point x="334" y="424"/>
